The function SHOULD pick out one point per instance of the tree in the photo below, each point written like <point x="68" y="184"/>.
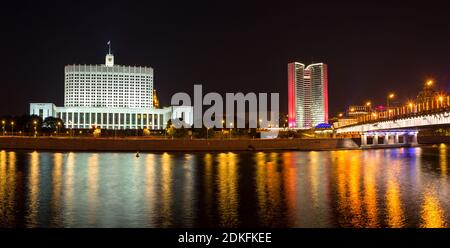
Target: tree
<point x="170" y="129"/>
<point x="52" y="123"/>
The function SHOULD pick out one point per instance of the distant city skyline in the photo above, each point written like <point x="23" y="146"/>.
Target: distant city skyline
<point x="370" y="49"/>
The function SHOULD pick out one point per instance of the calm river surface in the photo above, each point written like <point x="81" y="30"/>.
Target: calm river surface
<point x="405" y="187"/>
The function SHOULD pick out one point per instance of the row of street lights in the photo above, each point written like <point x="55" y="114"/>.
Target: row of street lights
<point x="4" y="127"/>
<point x="391" y="96"/>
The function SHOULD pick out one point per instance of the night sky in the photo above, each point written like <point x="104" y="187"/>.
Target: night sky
<point x="370" y="48"/>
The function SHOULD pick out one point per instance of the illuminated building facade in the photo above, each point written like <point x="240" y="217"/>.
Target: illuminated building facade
<point x="355" y="110"/>
<point x="111" y="97"/>
<point x="307" y="95"/>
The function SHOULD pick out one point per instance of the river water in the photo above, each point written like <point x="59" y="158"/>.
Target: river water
<point x="404" y="187"/>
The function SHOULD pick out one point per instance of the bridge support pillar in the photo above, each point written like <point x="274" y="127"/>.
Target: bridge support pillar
<point x="405" y="139"/>
<point x="414" y="139"/>
<point x="386" y="139"/>
<point x="375" y="139"/>
<point x="396" y="139"/>
<point x="363" y="139"/>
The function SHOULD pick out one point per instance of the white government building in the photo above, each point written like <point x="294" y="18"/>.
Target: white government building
<point x="110" y="96"/>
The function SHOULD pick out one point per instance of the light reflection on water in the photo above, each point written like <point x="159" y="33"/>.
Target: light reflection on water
<point x="405" y="187"/>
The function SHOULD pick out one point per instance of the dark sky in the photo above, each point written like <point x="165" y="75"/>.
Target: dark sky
<point x="228" y="46"/>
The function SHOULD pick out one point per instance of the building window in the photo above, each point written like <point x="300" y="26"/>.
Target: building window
<point x="110" y="119"/>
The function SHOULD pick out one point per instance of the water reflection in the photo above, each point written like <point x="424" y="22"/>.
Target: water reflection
<point x="370" y="194"/>
<point x="33" y="190"/>
<point x="268" y="188"/>
<point x="227" y="195"/>
<point x="69" y="188"/>
<point x="395" y="215"/>
<point x="166" y="188"/>
<point x="7" y="187"/>
<point x="432" y="214"/>
<point x="92" y="187"/>
<point x="371" y="188"/>
<point x="57" y="187"/>
<point x="150" y="187"/>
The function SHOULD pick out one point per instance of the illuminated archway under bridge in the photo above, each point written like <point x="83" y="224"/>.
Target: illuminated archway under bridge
<point x="389" y="138"/>
<point x="406" y="125"/>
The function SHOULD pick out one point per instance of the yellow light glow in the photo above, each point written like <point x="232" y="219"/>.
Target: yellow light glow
<point x="340" y="114"/>
<point x="374" y="115"/>
<point x="392" y="95"/>
<point x="432" y="214"/>
<point x="429" y="82"/>
<point x="368" y="104"/>
<point x="410" y="105"/>
<point x="352" y="109"/>
<point x="440" y="98"/>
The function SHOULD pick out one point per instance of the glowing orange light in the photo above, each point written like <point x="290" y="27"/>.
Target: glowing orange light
<point x="429" y="82"/>
<point x="392" y="95"/>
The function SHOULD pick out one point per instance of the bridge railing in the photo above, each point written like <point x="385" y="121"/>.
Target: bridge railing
<point x="440" y="104"/>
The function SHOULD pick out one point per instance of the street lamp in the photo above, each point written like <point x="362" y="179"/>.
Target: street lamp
<point x="390" y="96"/>
<point x="440" y="98"/>
<point x="71" y="128"/>
<point x="368" y="105"/>
<point x="58" y="126"/>
<point x="3" y="126"/>
<point x="12" y="128"/>
<point x="429" y="83"/>
<point x="207" y="129"/>
<point x="340" y="115"/>
<point x="410" y="106"/>
<point x="35" y="128"/>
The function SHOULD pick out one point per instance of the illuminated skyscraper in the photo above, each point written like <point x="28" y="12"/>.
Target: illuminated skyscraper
<point x="307" y="95"/>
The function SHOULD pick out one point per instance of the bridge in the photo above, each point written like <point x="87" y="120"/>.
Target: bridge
<point x="399" y="126"/>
